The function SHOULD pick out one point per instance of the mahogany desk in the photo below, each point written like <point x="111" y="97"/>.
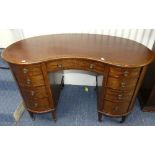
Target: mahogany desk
<point x="120" y="65"/>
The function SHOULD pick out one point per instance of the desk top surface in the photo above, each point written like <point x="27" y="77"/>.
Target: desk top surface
<point x="107" y="49"/>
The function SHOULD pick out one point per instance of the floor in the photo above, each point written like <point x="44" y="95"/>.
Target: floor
<point x="76" y="108"/>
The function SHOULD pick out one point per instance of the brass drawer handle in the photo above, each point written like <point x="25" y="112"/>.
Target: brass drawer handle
<point x="116" y="108"/>
<point x="120" y="96"/>
<point x="59" y="65"/>
<point x="25" y="70"/>
<point x="126" y="73"/>
<point x="91" y="66"/>
<point x="122" y="84"/>
<point x="35" y="104"/>
<point x="32" y="93"/>
<point x="28" y="81"/>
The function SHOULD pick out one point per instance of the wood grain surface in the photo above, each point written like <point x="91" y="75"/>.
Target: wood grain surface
<point x="108" y="49"/>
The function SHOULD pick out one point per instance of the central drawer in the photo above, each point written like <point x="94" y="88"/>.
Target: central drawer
<point x="63" y="64"/>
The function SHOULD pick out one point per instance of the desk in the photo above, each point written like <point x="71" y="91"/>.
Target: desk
<point x="120" y="65"/>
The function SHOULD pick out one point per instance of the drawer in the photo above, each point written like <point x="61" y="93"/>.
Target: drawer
<point x="75" y="64"/>
<point x="26" y="70"/>
<point x="118" y="96"/>
<point x="121" y="84"/>
<point x="34" y="93"/>
<point x="124" y="72"/>
<point x="115" y="108"/>
<point x="39" y="105"/>
<point x="32" y="81"/>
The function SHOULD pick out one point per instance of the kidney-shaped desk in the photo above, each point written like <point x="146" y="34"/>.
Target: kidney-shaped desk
<point x="120" y="65"/>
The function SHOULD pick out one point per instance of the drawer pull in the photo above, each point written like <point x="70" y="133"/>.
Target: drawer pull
<point x="32" y="93"/>
<point x="28" y="81"/>
<point x="126" y="73"/>
<point x="116" y="108"/>
<point x="91" y="66"/>
<point x="25" y="70"/>
<point x="35" y="104"/>
<point x="59" y="65"/>
<point x="120" y="96"/>
<point x="122" y="84"/>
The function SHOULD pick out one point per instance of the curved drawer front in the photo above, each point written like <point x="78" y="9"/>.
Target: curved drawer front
<point x="39" y="105"/>
<point x="28" y="75"/>
<point x="113" y="108"/>
<point x="75" y="64"/>
<point x="26" y="70"/>
<point x="32" y="81"/>
<point x="121" y="84"/>
<point x="124" y="72"/>
<point x="118" y="96"/>
<point x="34" y="93"/>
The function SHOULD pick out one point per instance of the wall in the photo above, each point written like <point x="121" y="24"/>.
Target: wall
<point x="9" y="36"/>
<point x="144" y="36"/>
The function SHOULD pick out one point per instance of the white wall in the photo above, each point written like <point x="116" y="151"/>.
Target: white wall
<point x="9" y="36"/>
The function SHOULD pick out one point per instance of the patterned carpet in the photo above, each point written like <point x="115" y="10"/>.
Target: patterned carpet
<point x="76" y="108"/>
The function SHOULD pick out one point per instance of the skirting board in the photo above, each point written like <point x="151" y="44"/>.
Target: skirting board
<point x="19" y="112"/>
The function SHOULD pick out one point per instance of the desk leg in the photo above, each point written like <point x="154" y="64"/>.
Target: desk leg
<point x="62" y="82"/>
<point x="31" y="115"/>
<point x="53" y="115"/>
<point x="99" y="117"/>
<point x="96" y="83"/>
<point x="123" y="119"/>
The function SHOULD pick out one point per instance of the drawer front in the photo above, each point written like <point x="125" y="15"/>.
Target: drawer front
<point x="118" y="96"/>
<point x="27" y="70"/>
<point x="121" y="84"/>
<point x="124" y="72"/>
<point x="114" y="108"/>
<point x="39" y="104"/>
<point x="75" y="64"/>
<point x="32" y="81"/>
<point x="34" y="93"/>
